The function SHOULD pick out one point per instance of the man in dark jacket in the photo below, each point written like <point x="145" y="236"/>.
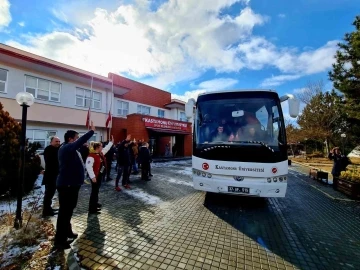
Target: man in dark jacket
<point x="71" y="177"/>
<point x="124" y="163"/>
<point x="145" y="159"/>
<point x="50" y="174"/>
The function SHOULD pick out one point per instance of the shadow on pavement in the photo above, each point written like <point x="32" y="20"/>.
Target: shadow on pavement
<point x="255" y="217"/>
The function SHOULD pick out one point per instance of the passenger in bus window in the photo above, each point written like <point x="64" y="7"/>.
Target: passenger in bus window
<point x="235" y="125"/>
<point x="226" y="126"/>
<point x="219" y="135"/>
<point x="251" y="134"/>
<point x="239" y="134"/>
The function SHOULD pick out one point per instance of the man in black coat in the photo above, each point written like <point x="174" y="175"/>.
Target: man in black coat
<point x="145" y="159"/>
<point x="109" y="159"/>
<point x="50" y="174"/>
<point x="124" y="164"/>
<point x="71" y="177"/>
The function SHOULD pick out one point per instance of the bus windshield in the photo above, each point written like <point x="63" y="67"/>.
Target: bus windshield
<point x="238" y="118"/>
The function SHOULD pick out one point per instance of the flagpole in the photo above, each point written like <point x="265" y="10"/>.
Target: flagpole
<point x="91" y="100"/>
<point x="112" y="96"/>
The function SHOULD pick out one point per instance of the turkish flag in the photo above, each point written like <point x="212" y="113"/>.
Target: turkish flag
<point x="88" y="119"/>
<point x="108" y="119"/>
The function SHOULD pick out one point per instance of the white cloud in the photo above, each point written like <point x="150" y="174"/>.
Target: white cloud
<point x="22" y="24"/>
<point x="5" y="16"/>
<point x="277" y="80"/>
<point x="207" y="86"/>
<point x="305" y="63"/>
<point x="60" y="15"/>
<point x="282" y="15"/>
<point x="177" y="42"/>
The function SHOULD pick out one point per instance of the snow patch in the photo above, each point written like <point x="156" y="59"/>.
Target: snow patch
<point x="171" y="163"/>
<point x="27" y="203"/>
<point x="143" y="196"/>
<point x="179" y="182"/>
<point x="186" y="171"/>
<point x="15" y="251"/>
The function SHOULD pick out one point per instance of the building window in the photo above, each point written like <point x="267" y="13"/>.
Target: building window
<point x="143" y="109"/>
<point x="83" y="98"/>
<point x="43" y="89"/>
<point x="93" y="138"/>
<point x="3" y="80"/>
<point x="40" y="136"/>
<point x="183" y="117"/>
<point x="122" y="108"/>
<point x="161" y="113"/>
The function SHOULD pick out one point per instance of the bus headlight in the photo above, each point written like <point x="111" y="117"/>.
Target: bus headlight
<point x="269" y="180"/>
<point x="209" y="175"/>
<point x="275" y="179"/>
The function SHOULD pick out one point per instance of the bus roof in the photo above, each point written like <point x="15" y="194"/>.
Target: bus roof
<point x="238" y="90"/>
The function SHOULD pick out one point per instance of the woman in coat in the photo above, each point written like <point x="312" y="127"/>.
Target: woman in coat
<point x="96" y="168"/>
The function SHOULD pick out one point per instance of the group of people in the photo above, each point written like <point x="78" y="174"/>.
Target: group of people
<point x="68" y="164"/>
<point x="246" y="128"/>
<point x="131" y="156"/>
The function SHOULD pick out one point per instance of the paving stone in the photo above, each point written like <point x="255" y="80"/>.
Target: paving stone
<point x="194" y="230"/>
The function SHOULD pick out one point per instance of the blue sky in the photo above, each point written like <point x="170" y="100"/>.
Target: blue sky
<point x="186" y="47"/>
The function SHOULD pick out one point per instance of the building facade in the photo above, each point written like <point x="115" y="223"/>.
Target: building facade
<point x="63" y="95"/>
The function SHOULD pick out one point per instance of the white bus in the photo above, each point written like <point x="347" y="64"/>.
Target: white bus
<point x="239" y="142"/>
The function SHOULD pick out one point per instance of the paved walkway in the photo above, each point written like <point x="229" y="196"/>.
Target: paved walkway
<point x="166" y="224"/>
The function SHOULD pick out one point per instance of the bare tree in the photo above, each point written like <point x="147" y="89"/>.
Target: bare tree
<point x="311" y="90"/>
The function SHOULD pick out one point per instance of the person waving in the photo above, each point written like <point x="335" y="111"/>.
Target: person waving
<point x="96" y="168"/>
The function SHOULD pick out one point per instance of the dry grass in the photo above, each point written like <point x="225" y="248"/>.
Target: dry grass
<point x="312" y="160"/>
<point x="355" y="161"/>
<point x="37" y="233"/>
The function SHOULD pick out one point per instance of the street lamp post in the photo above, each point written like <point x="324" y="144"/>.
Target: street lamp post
<point x="25" y="100"/>
<point x="343" y="136"/>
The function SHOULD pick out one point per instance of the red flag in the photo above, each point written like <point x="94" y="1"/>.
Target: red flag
<point x="108" y="119"/>
<point x="88" y="119"/>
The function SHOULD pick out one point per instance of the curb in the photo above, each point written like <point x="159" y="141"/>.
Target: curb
<point x="305" y="165"/>
<point x="170" y="159"/>
<point x="71" y="261"/>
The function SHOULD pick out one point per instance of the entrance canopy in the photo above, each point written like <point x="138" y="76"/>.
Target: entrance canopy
<point x="168" y="131"/>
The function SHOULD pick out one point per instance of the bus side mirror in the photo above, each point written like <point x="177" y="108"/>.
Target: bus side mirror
<point x="189" y="108"/>
<point x="294" y="107"/>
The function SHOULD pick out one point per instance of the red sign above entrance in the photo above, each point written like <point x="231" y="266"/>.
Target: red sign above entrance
<point x="164" y="123"/>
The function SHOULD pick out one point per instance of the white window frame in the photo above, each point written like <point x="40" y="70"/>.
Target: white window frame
<point x="163" y="113"/>
<point x="49" y="90"/>
<point x="141" y="109"/>
<point x="91" y="139"/>
<point x="91" y="98"/>
<point x="5" y="82"/>
<point x="120" y="107"/>
<point x="46" y="141"/>
<point x="182" y="119"/>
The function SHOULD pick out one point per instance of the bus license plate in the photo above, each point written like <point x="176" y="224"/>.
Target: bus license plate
<point x="239" y="190"/>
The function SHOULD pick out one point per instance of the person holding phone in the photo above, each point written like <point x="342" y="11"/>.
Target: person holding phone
<point x="96" y="167"/>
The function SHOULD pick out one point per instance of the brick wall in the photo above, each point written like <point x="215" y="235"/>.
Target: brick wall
<point x="188" y="145"/>
<point x="142" y="93"/>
